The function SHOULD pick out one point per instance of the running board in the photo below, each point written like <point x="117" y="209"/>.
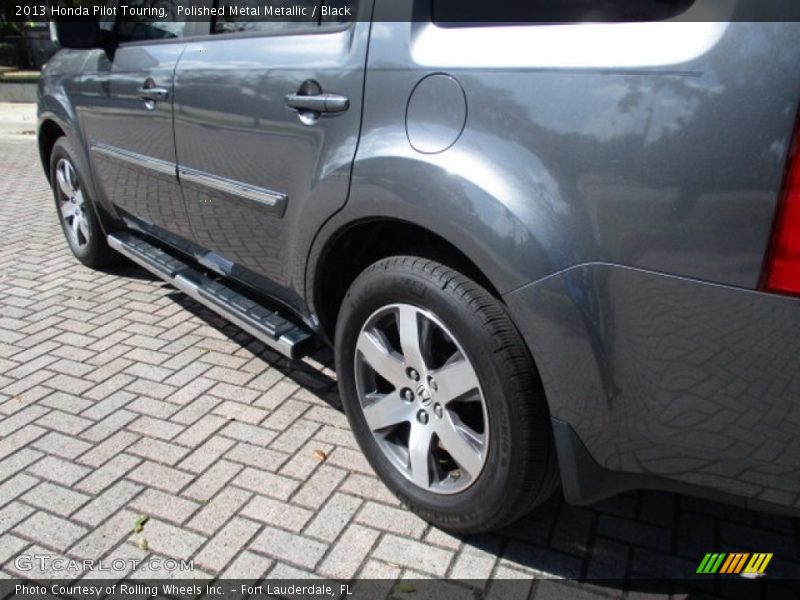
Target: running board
<point x="291" y="340"/>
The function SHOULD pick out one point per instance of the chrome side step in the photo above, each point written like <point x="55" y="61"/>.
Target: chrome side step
<point x="290" y="339"/>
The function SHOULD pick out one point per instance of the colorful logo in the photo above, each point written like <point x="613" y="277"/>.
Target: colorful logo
<point x="744" y="563"/>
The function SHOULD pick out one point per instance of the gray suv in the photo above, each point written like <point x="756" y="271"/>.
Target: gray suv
<point x="543" y="252"/>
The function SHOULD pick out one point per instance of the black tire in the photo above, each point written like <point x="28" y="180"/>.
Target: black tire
<point x="89" y="243"/>
<point x="520" y="471"/>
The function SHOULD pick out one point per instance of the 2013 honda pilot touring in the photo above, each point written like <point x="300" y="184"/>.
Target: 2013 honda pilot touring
<point x="541" y="251"/>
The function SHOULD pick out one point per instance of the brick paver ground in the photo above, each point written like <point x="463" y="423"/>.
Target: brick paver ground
<point x="120" y="396"/>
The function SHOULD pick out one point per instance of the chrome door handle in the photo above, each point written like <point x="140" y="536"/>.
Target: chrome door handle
<point x="318" y="103"/>
<point x="153" y="94"/>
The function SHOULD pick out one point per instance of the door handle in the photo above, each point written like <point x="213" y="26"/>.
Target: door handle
<point x="318" y="103"/>
<point x="153" y="94"/>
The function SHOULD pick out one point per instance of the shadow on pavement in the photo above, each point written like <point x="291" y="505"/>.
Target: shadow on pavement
<point x="304" y="373"/>
<point x="129" y="270"/>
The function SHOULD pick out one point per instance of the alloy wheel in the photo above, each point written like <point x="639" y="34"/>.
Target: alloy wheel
<point x="71" y="205"/>
<point x="421" y="398"/>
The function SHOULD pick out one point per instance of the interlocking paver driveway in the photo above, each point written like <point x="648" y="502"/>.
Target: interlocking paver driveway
<point x="120" y="396"/>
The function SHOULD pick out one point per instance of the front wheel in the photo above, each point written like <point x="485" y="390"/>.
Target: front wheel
<point x="76" y="212"/>
<point x="443" y="396"/>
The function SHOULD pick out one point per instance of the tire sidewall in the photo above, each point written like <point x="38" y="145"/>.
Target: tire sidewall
<point x="63" y="148"/>
<point x="376" y="289"/>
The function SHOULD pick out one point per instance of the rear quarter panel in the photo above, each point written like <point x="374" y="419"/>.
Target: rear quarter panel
<point x="661" y="148"/>
<point x="617" y="183"/>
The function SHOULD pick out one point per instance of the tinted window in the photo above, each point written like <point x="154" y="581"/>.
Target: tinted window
<point x="241" y="15"/>
<point x="466" y="12"/>
<point x="148" y="20"/>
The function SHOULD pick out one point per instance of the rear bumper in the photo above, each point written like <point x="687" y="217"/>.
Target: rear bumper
<point x="674" y="383"/>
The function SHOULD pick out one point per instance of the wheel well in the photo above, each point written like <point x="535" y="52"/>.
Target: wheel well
<point x="359" y="246"/>
<point x="49" y="132"/>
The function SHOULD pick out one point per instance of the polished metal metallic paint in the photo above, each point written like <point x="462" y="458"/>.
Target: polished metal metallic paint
<point x="651" y="166"/>
<point x="231" y="90"/>
<point x="114" y="115"/>
<point x="436" y="114"/>
<point x="669" y="376"/>
<point x="615" y="183"/>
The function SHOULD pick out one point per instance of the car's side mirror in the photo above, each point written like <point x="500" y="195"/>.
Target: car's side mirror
<point x="80" y="34"/>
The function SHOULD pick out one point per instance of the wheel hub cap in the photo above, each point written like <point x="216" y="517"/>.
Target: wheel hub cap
<point x="424" y="394"/>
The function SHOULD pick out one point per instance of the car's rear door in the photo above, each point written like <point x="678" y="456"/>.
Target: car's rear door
<point x="267" y="116"/>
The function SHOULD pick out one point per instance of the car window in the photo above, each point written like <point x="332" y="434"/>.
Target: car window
<point x="252" y="15"/>
<point x="149" y="20"/>
<point x="479" y="12"/>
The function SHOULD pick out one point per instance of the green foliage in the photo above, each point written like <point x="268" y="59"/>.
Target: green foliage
<point x="139" y="523"/>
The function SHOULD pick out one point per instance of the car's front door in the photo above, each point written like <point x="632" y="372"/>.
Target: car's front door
<point x="126" y="116"/>
<point x="267" y="117"/>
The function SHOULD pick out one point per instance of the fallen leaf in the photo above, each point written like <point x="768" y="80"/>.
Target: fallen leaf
<point x="143" y="545"/>
<point x="138" y="524"/>
<point x="320" y="454"/>
<point x="403" y="587"/>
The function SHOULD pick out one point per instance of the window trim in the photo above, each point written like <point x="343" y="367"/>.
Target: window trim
<point x="322" y="26"/>
<point x="298" y="30"/>
<point x="199" y="30"/>
<point x="237" y="35"/>
<point x="192" y="30"/>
